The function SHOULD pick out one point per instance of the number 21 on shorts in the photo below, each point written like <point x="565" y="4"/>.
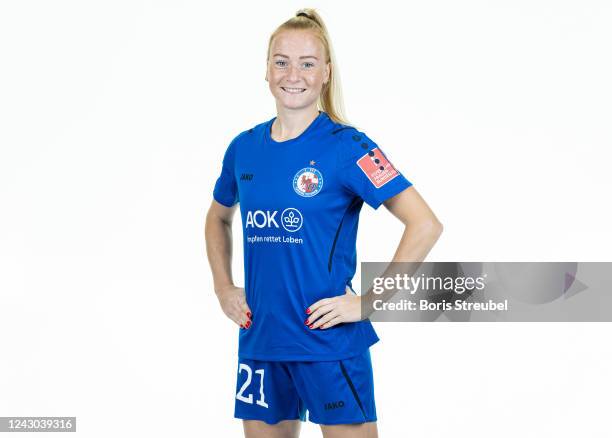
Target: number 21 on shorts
<point x="249" y="399"/>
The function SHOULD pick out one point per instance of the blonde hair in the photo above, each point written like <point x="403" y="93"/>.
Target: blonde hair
<point x="330" y="99"/>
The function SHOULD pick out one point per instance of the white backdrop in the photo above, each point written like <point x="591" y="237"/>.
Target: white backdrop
<point x="114" y="117"/>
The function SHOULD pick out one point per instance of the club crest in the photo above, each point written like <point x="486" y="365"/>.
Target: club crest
<point x="307" y="182"/>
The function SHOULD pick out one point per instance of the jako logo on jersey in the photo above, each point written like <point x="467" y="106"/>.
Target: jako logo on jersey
<point x="246" y="177"/>
<point x="334" y="405"/>
<point x="291" y="219"/>
<point x="307" y="182"/>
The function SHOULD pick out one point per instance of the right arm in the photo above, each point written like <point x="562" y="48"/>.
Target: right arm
<point x="218" y="234"/>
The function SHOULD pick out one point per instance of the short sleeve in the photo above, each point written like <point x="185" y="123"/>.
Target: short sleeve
<point x="226" y="189"/>
<point x="365" y="170"/>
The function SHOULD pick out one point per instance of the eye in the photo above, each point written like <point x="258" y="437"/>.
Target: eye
<point x="280" y="63"/>
<point x="309" y="64"/>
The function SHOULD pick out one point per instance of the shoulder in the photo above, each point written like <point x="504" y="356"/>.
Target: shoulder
<point x="244" y="135"/>
<point x="351" y="142"/>
<point x="249" y="134"/>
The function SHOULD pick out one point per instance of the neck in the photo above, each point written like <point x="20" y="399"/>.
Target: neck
<point x="290" y="124"/>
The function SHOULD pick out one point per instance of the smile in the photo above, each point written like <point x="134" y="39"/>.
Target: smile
<point x="293" y="90"/>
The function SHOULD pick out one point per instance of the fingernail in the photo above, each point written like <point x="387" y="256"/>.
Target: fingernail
<point x="241" y="326"/>
<point x="310" y="326"/>
<point x="306" y="322"/>
<point x="308" y="310"/>
<point x="248" y="324"/>
<point x="248" y="314"/>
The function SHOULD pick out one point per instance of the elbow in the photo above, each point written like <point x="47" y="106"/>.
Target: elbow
<point x="438" y="227"/>
<point x="431" y="231"/>
<point x="431" y="227"/>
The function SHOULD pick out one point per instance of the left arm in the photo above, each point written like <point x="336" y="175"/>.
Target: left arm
<point x="422" y="230"/>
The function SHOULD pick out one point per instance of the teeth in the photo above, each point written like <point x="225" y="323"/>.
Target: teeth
<point x="293" y="90"/>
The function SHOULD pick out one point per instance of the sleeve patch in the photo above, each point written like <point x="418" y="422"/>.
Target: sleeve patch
<point x="377" y="168"/>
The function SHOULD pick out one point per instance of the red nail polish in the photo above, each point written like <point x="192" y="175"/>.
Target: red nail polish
<point x="308" y="310"/>
<point x="248" y="314"/>
<point x="241" y="326"/>
<point x="248" y="324"/>
<point x="306" y="322"/>
<point x="310" y="326"/>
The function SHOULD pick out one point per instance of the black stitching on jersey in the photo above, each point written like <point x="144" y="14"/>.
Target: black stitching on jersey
<point x="333" y="248"/>
<point x="340" y="129"/>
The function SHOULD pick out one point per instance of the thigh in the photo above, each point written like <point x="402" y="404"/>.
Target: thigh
<point x="282" y="429"/>
<point x="363" y="430"/>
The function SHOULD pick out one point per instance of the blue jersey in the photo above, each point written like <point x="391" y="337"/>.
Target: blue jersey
<point x="300" y="201"/>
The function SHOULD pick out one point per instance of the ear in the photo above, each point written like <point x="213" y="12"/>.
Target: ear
<point x="327" y="73"/>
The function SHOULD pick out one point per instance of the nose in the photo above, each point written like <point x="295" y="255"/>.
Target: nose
<point x="294" y="73"/>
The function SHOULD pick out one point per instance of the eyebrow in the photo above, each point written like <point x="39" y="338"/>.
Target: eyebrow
<point x="301" y="57"/>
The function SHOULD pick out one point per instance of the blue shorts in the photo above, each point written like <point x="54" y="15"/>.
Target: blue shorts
<point x="333" y="392"/>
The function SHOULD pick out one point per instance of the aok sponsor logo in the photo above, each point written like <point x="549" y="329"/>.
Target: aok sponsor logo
<point x="290" y="219"/>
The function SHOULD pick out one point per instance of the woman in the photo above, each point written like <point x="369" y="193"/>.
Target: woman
<point x="301" y="179"/>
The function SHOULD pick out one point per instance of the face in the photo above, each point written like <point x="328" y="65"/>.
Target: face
<point x="296" y="69"/>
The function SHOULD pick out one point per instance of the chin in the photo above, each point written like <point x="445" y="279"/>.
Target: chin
<point x="293" y="104"/>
